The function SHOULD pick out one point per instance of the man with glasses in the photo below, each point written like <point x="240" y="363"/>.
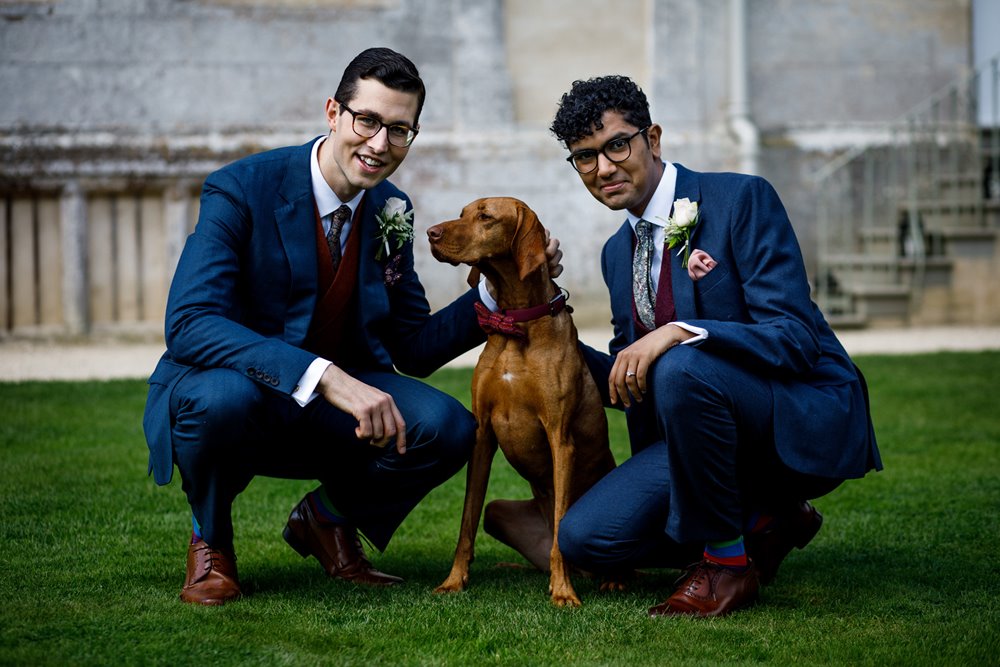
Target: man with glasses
<point x="294" y="303"/>
<point x="741" y="404"/>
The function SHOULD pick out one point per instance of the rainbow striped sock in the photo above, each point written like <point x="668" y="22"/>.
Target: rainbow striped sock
<point x="730" y="553"/>
<point x="323" y="507"/>
<point x="195" y="530"/>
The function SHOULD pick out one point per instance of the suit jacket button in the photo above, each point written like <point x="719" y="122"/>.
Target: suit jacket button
<point x="251" y="370"/>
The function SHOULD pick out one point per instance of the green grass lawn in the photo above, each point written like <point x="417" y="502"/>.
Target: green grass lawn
<point x="905" y="570"/>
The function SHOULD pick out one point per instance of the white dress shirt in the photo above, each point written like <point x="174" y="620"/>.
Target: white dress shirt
<point x="657" y="212"/>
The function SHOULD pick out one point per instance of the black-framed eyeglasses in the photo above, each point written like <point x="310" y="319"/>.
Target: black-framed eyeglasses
<point x="617" y="150"/>
<point x="399" y="135"/>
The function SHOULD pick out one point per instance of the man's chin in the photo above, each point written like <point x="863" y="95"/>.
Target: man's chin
<point x="613" y="203"/>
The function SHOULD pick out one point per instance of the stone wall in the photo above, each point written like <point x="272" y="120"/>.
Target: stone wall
<point x="109" y="105"/>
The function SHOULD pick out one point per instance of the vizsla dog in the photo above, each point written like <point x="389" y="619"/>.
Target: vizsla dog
<point x="531" y="391"/>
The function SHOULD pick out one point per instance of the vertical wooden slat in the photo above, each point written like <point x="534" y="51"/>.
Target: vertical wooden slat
<point x="154" y="259"/>
<point x="127" y="258"/>
<point x="5" y="267"/>
<point x="195" y="209"/>
<point x="73" y="233"/>
<point x="99" y="259"/>
<point x="50" y="262"/>
<point x="23" y="291"/>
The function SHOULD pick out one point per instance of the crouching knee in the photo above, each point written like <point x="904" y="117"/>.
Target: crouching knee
<point x="578" y="543"/>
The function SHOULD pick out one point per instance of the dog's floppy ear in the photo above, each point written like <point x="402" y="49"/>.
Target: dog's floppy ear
<point x="473" y="278"/>
<point x="528" y="246"/>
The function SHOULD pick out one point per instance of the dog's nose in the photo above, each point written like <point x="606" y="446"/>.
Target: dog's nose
<point x="434" y="233"/>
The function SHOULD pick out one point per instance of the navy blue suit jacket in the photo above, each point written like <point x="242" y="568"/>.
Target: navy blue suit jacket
<point x="756" y="307"/>
<point x="245" y="291"/>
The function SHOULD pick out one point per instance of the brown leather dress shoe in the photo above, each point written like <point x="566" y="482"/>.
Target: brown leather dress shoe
<point x="211" y="576"/>
<point x="769" y="547"/>
<point x="335" y="546"/>
<point x="708" y="589"/>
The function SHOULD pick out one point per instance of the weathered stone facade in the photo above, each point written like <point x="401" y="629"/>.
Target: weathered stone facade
<point x="113" y="111"/>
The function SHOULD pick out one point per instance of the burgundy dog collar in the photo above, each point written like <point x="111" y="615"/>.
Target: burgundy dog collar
<point x="503" y="321"/>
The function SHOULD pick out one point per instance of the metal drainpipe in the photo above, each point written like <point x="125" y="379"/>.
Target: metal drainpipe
<point x="747" y="136"/>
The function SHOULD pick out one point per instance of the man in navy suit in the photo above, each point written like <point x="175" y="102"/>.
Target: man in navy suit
<point x="294" y="303"/>
<point x="741" y="403"/>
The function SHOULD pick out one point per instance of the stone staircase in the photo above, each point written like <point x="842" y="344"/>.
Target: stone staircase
<point x="908" y="230"/>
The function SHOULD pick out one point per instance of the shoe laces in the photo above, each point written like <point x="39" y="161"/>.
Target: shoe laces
<point x="212" y="556"/>
<point x="696" y="574"/>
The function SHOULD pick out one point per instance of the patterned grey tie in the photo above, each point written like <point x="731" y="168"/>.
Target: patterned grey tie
<point x="340" y="216"/>
<point x="642" y="286"/>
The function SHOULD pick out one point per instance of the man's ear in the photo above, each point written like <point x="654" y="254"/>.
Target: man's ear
<point x="332" y="113"/>
<point x="528" y="246"/>
<point x="654" y="134"/>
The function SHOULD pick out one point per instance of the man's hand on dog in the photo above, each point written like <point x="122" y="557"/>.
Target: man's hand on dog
<point x="552" y="253"/>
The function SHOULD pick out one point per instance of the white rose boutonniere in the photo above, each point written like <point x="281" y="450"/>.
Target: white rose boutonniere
<point x="394" y="226"/>
<point x="680" y="225"/>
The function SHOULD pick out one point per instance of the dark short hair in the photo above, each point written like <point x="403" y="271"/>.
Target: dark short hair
<point x="580" y="110"/>
<point x="393" y="70"/>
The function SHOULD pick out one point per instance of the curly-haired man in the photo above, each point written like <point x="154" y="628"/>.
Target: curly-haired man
<point x="741" y="403"/>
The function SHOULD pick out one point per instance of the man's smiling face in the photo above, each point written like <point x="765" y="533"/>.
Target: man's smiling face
<point x="629" y="184"/>
<point x="351" y="163"/>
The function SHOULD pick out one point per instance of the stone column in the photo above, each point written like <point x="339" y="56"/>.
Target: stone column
<point x="73" y="223"/>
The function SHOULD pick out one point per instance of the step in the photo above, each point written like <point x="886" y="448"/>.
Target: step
<point x="969" y="243"/>
<point x="847" y="321"/>
<point x="859" y="270"/>
<point x="881" y="305"/>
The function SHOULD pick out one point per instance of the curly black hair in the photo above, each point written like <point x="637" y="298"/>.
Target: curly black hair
<point x="581" y="109"/>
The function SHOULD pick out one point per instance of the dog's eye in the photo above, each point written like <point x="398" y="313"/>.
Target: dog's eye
<point x="484" y="217"/>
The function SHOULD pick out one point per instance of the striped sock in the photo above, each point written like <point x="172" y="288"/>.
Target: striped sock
<point x="195" y="530"/>
<point x="323" y="507"/>
<point x="729" y="553"/>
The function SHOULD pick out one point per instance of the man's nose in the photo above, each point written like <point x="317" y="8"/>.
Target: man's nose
<point x="605" y="167"/>
<point x="380" y="141"/>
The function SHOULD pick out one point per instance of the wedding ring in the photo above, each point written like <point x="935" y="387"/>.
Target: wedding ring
<point x="629" y="374"/>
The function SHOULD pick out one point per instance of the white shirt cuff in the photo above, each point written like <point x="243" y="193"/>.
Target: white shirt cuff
<point x="699" y="333"/>
<point x="305" y="390"/>
<point x="484" y="296"/>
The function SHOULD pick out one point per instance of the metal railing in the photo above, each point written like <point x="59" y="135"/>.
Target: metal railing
<point x="882" y="208"/>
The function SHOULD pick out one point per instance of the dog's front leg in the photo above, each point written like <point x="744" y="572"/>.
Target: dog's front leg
<point x="563" y="453"/>
<point x="477" y="478"/>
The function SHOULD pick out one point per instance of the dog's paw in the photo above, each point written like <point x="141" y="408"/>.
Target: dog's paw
<point x="613" y="586"/>
<point x="453" y="584"/>
<point x="566" y="600"/>
<point x="563" y="595"/>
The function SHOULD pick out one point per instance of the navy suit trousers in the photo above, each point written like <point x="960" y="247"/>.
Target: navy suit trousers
<point x="227" y="429"/>
<point x="710" y="466"/>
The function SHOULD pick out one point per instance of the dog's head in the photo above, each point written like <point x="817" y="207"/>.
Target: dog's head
<point x="491" y="231"/>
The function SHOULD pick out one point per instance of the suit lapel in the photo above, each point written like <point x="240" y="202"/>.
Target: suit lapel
<point x="367" y="225"/>
<point x="373" y="299"/>
<point x="684" y="302"/>
<point x="619" y="257"/>
<point x="295" y="217"/>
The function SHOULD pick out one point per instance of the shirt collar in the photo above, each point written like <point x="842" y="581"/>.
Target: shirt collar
<point x="326" y="199"/>
<point x="658" y="209"/>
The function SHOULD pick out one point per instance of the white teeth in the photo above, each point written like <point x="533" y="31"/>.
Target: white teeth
<point x="371" y="162"/>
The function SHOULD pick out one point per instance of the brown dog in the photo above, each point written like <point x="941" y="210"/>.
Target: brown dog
<point x="531" y="391"/>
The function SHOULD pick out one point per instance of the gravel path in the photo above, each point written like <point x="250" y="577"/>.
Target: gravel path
<point x="22" y="360"/>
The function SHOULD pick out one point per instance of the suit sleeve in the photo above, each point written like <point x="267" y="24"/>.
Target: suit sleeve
<point x="206" y="305"/>
<point x="781" y="334"/>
